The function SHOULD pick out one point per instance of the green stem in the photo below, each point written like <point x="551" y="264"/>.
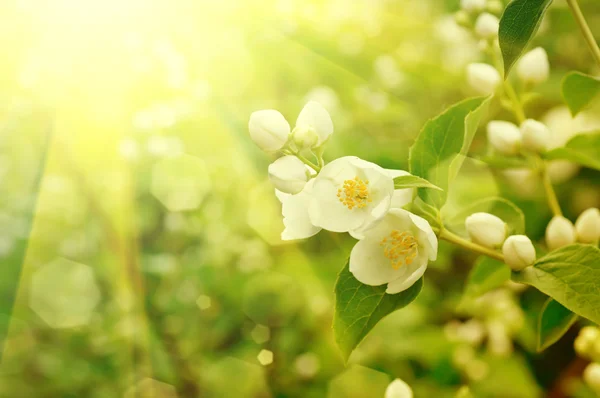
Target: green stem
<point x="585" y="30"/>
<point x="304" y="160"/>
<point x="517" y="106"/>
<point x="509" y="90"/>
<point x="550" y="193"/>
<point x="466" y="244"/>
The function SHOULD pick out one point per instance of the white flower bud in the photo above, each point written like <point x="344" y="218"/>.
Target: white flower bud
<point x="486" y="229"/>
<point x="288" y="174"/>
<point x="591" y="376"/>
<point x="585" y="341"/>
<point x="483" y="78"/>
<point x="398" y="389"/>
<point x="486" y="26"/>
<point x="505" y="137"/>
<point x="495" y="6"/>
<point x="518" y="252"/>
<point x="305" y="137"/>
<point x="536" y="136"/>
<point x="587" y="226"/>
<point x="472" y="5"/>
<point x="534" y="67"/>
<point x="560" y="232"/>
<point x="269" y="129"/>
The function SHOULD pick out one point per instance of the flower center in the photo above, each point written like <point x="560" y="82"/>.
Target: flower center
<point x="400" y="248"/>
<point x="354" y="193"/>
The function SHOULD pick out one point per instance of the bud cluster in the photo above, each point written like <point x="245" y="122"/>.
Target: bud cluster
<point x="561" y="231"/>
<point x="491" y="231"/>
<point x="271" y="132"/>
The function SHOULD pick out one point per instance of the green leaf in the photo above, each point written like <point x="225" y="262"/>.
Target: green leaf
<point x="571" y="276"/>
<point x="410" y="181"/>
<point x="429" y="213"/>
<point x="518" y="24"/>
<point x="500" y="207"/>
<point x="487" y="274"/>
<point x="441" y="146"/>
<point x="554" y="321"/>
<point x="578" y="90"/>
<point x="583" y="149"/>
<point x="359" y="307"/>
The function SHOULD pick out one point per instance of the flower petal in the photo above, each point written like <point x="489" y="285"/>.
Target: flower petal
<point x="401" y="284"/>
<point x="369" y="265"/>
<point x="295" y="215"/>
<point x="427" y="235"/>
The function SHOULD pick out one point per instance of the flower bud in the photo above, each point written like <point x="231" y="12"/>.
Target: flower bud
<point x="587" y="226"/>
<point x="288" y="174"/>
<point x="505" y="137"/>
<point x="536" y="136"/>
<point x="518" y="252"/>
<point x="585" y="341"/>
<point x="534" y="67"/>
<point x="472" y="5"/>
<point x="398" y="389"/>
<point x="305" y="137"/>
<point x="486" y="26"/>
<point x="462" y="18"/>
<point x="483" y="78"/>
<point x="269" y="129"/>
<point x="591" y="376"/>
<point x="560" y="232"/>
<point x="486" y="229"/>
<point x="494" y="6"/>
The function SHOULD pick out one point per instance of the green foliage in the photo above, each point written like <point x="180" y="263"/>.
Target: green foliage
<point x="411" y="181"/>
<point x="578" y="90"/>
<point x="358" y="308"/>
<point x="583" y="149"/>
<point x="487" y="274"/>
<point x="554" y="321"/>
<point x="500" y="207"/>
<point x="571" y="276"/>
<point x="439" y="149"/>
<point x="518" y="24"/>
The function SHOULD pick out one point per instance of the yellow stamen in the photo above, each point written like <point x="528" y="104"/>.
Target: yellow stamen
<point x="354" y="193"/>
<point x="400" y="248"/>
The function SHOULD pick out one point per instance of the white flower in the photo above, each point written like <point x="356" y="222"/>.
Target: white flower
<point x="295" y="214"/>
<point x="313" y="126"/>
<point x="483" y="78"/>
<point x="350" y="195"/>
<point x="533" y="67"/>
<point x="587" y="226"/>
<point x="269" y="129"/>
<point x="394" y="252"/>
<point x="591" y="376"/>
<point x="398" y="389"/>
<point x="486" y="229"/>
<point x="536" y="136"/>
<point x="559" y="232"/>
<point x="486" y="26"/>
<point x="505" y="137"/>
<point x="472" y="5"/>
<point x="518" y="252"/>
<point x="288" y="174"/>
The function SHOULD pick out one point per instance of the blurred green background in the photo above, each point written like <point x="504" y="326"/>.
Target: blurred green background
<point x="139" y="236"/>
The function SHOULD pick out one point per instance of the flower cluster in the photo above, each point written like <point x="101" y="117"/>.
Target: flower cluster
<point x="348" y="194"/>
